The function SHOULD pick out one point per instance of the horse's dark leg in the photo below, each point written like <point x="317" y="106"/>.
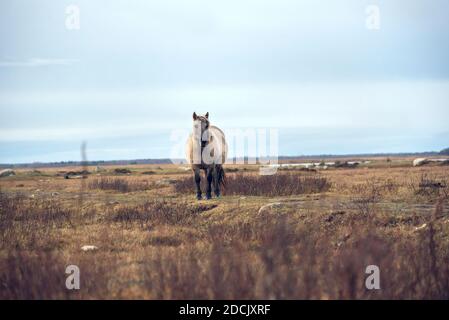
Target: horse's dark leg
<point x="217" y="181"/>
<point x="209" y="175"/>
<point x="197" y="173"/>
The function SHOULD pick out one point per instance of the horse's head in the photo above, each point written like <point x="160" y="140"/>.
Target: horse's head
<point x="201" y="126"/>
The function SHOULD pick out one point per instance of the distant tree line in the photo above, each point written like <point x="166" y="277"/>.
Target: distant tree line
<point x="168" y="161"/>
<point x="445" y="152"/>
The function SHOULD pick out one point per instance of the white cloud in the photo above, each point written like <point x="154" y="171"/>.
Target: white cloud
<point x="402" y="104"/>
<point x="37" y="62"/>
<point x="74" y="133"/>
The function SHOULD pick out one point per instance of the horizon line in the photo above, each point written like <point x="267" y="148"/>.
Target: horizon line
<point x="168" y="160"/>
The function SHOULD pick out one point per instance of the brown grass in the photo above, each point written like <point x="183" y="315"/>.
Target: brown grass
<point x="119" y="184"/>
<point x="270" y="256"/>
<point x="315" y="243"/>
<point x="282" y="184"/>
<point x="158" y="212"/>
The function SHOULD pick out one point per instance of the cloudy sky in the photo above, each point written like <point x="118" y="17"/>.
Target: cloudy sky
<point x="134" y="72"/>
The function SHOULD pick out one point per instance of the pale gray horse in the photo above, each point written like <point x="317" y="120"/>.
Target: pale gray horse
<point x="206" y="149"/>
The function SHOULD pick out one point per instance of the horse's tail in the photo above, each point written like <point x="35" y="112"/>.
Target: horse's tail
<point x="221" y="175"/>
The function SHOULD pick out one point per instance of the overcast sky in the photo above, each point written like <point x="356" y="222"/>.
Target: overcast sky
<point x="136" y="70"/>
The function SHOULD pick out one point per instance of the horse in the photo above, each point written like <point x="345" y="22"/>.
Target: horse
<point x="206" y="149"/>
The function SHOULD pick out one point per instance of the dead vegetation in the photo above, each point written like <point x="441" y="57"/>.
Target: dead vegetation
<point x="282" y="184"/>
<point x="434" y="187"/>
<point x="156" y="244"/>
<point x="158" y="212"/>
<point x="120" y="185"/>
<point x="269" y="256"/>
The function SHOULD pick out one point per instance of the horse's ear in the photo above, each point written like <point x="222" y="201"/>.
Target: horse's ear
<point x="194" y="116"/>
<point x="207" y="115"/>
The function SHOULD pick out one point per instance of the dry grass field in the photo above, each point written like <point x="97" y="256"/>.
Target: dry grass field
<point x="294" y="235"/>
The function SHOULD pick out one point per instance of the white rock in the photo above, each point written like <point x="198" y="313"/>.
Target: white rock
<point x="165" y="182"/>
<point x="420" y="161"/>
<point x="89" y="248"/>
<point x="269" y="206"/>
<point x="7" y="173"/>
<point x="421" y="227"/>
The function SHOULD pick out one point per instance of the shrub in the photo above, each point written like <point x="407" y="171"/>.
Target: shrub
<point x="122" y="171"/>
<point x="281" y="184"/>
<point x="29" y="223"/>
<point x="121" y="185"/>
<point x="158" y="212"/>
<point x="431" y="187"/>
<point x="288" y="264"/>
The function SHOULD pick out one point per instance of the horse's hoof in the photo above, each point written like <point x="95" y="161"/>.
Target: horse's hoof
<point x="218" y="195"/>
<point x="208" y="196"/>
<point x="199" y="197"/>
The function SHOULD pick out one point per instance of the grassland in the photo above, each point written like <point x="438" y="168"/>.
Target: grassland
<point x="294" y="235"/>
